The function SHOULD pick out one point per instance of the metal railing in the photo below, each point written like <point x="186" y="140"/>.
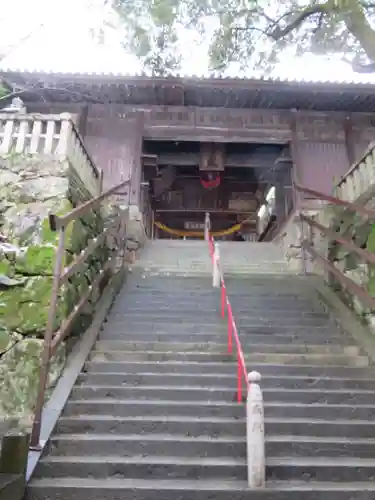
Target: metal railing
<point x="61" y="275"/>
<point x="307" y="243"/>
<point x="254" y="397"/>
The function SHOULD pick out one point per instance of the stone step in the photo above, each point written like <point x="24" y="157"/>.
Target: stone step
<point x="254" y="341"/>
<point x="206" y="346"/>
<point x="183" y="393"/>
<point x="181" y="316"/>
<point x="120" y="328"/>
<point x="140" y="277"/>
<point x="137" y="408"/>
<point x="178" y="307"/>
<point x="206" y="298"/>
<point x="340" y="469"/>
<point x="139" y="271"/>
<point x="212" y="426"/>
<point x="197" y="255"/>
<point x="160" y="467"/>
<point x="186" y="269"/>
<point x="150" y="444"/>
<point x="208" y="357"/>
<point x="229" y="368"/>
<point x="237" y="269"/>
<point x="274" y="305"/>
<point x="169" y="256"/>
<point x="235" y="273"/>
<point x="224" y="380"/>
<point x="223" y="446"/>
<point x="215" y="321"/>
<point x="267" y="279"/>
<point x="278" y="284"/>
<point x="169" y="489"/>
<point x="266" y="264"/>
<point x="138" y="467"/>
<point x="206" y="295"/>
<point x="213" y="309"/>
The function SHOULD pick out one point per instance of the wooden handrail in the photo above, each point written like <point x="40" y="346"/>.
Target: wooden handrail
<point x="369" y="257"/>
<point x="355" y="165"/>
<point x="366" y="212"/>
<point x="52" y="338"/>
<point x="57" y="222"/>
<point x="365" y="254"/>
<point x="358" y="290"/>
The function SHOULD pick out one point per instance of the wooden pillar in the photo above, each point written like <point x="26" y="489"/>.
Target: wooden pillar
<point x="136" y="168"/>
<point x="294" y="150"/>
<point x="349" y="139"/>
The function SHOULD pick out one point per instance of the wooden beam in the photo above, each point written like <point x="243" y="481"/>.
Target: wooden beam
<point x="211" y="134"/>
<point x="216" y="211"/>
<point x="192" y="159"/>
<point x="150" y="158"/>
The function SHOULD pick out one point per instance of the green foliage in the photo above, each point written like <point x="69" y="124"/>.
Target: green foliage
<point x="250" y="33"/>
<point x="370" y="246"/>
<point x="3" y="90"/>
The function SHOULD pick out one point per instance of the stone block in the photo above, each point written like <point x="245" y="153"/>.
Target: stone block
<point x="135" y="232"/>
<point x="19" y="377"/>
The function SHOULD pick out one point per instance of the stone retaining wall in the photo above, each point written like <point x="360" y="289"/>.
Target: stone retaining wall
<point x="31" y="187"/>
<point x="360" y="231"/>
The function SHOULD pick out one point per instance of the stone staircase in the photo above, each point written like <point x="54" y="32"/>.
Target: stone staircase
<point x="153" y="415"/>
<point x="191" y="258"/>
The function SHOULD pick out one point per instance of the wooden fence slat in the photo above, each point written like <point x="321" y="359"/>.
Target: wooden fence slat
<point x="23" y="130"/>
<point x="49" y="137"/>
<point x="7" y="137"/>
<point x="35" y="136"/>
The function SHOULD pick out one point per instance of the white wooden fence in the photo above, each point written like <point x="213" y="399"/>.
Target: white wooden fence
<point x="48" y="135"/>
<point x="359" y="179"/>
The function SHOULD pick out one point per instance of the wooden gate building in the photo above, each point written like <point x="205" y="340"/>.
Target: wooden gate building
<point x="227" y="146"/>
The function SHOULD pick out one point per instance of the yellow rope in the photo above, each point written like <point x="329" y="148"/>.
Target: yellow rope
<point x="178" y="232"/>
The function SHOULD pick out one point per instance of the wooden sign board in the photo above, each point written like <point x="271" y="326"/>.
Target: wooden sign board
<point x="212" y="157"/>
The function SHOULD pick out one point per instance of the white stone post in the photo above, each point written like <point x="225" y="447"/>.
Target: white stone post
<point x="215" y="267"/>
<point x="207" y="226"/>
<point x="256" y="466"/>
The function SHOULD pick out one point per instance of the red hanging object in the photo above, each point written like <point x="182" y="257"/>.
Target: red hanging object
<point x="213" y="181"/>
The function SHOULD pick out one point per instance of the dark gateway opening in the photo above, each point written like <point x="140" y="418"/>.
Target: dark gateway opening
<point x="242" y="184"/>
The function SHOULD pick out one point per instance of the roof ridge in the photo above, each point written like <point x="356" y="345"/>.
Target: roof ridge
<point x="185" y="78"/>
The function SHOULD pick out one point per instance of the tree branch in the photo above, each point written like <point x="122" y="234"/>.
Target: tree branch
<point x="363" y="68"/>
<point x="277" y="33"/>
<point x="360" y="28"/>
<point x="360" y="68"/>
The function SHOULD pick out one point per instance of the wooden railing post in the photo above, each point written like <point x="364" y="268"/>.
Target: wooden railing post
<point x="14" y="451"/>
<point x="215" y="267"/>
<point x="47" y="344"/>
<point x="207" y="226"/>
<point x="256" y="463"/>
<point x="302" y="243"/>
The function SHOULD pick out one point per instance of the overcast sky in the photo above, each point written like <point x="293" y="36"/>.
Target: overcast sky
<point x="54" y="35"/>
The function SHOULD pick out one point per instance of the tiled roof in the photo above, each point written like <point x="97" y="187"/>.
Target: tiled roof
<point x="192" y="90"/>
<point x="356" y="80"/>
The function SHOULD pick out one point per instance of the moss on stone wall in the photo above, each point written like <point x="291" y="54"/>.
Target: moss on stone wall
<point x="370" y="246"/>
<point x="31" y="189"/>
<point x="360" y="231"/>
